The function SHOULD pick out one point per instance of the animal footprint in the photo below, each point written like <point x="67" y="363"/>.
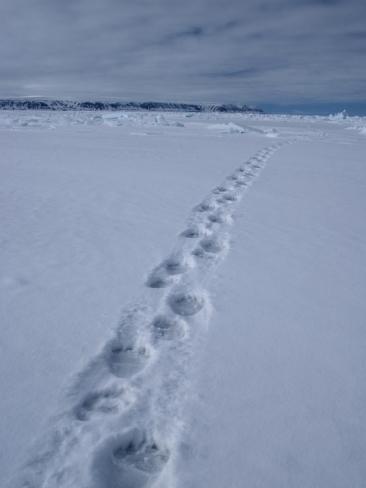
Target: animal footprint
<point x="217" y="218"/>
<point x="105" y="401"/>
<point x="255" y="166"/>
<point x="220" y="200"/>
<point x="186" y="303"/>
<point x="191" y="233"/>
<point x="240" y="183"/>
<point x="219" y="189"/>
<point x="158" y="280"/>
<point x="231" y="197"/>
<point x="129" y="460"/>
<point x="205" y="207"/>
<point x="169" y="328"/>
<point x="126" y="360"/>
<point x="177" y="264"/>
<point x="212" y="245"/>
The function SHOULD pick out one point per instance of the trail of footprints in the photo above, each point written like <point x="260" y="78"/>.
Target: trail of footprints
<point x="110" y="439"/>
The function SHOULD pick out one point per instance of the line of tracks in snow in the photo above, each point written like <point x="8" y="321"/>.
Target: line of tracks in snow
<point x="126" y="414"/>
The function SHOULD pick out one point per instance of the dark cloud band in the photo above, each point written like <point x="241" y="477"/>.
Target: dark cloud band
<point x="202" y="50"/>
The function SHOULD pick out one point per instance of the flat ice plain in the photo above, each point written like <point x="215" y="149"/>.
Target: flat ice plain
<point x="182" y="300"/>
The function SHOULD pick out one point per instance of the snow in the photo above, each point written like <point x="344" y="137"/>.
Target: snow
<point x="182" y="300"/>
<point x="281" y="387"/>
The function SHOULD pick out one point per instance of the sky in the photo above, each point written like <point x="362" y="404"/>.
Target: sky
<point x="269" y="53"/>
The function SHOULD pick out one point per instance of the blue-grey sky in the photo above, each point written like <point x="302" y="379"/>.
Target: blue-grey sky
<point x="255" y="51"/>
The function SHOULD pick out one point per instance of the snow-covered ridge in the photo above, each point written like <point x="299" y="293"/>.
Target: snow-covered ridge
<point x="45" y="104"/>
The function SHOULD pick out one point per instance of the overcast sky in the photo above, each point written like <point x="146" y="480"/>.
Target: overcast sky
<point x="254" y="51"/>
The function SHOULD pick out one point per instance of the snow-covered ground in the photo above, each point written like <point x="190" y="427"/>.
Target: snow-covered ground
<point x="182" y="300"/>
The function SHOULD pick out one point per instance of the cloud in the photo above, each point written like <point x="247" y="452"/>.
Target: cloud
<point x="252" y="51"/>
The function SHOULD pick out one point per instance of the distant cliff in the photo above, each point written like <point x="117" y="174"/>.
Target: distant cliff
<point x="44" y="104"/>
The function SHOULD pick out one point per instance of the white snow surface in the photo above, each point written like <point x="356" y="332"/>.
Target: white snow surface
<point x="182" y="300"/>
